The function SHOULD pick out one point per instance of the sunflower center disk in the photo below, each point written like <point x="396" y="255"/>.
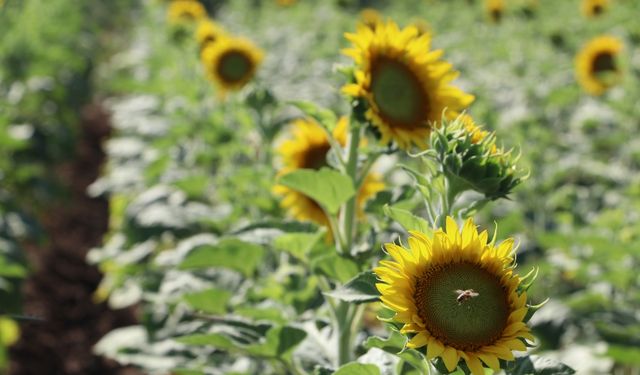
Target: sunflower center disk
<point x="463" y="323"/>
<point x="234" y="66"/>
<point x="604" y="62"/>
<point x="398" y="94"/>
<point x="316" y="157"/>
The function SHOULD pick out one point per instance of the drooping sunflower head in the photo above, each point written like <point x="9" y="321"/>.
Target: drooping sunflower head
<point x="185" y="11"/>
<point x="404" y="84"/>
<point x="207" y="33"/>
<point x="594" y="8"/>
<point x="597" y="66"/>
<point x="231" y="62"/>
<point x="458" y="295"/>
<point x="370" y="18"/>
<point x="472" y="161"/>
<point x="307" y="147"/>
<point x="495" y="9"/>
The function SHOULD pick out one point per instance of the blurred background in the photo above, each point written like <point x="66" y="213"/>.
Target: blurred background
<point x="117" y="156"/>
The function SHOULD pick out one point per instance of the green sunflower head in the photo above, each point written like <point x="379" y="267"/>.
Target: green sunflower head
<point x="469" y="157"/>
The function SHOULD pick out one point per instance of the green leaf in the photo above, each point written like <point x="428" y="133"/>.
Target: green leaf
<point x="230" y="253"/>
<point x="211" y="301"/>
<point x="395" y="344"/>
<point x="335" y="267"/>
<point x="624" y="354"/>
<point x="298" y="244"/>
<point x="323" y="116"/>
<point x="354" y="368"/>
<point x="216" y="340"/>
<point x="11" y="269"/>
<point x="408" y="220"/>
<point x="538" y="365"/>
<point x="279" y="342"/>
<point x="360" y="289"/>
<point x="327" y="187"/>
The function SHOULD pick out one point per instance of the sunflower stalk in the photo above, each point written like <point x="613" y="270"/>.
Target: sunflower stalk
<point x="349" y="216"/>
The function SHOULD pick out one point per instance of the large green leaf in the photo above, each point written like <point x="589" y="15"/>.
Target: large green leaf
<point x="230" y="253"/>
<point x="395" y="344"/>
<point x="408" y="220"/>
<point x="537" y="365"/>
<point x="360" y="289"/>
<point x="298" y="244"/>
<point x="327" y="187"/>
<point x="335" y="267"/>
<point x="211" y="301"/>
<point x="354" y="368"/>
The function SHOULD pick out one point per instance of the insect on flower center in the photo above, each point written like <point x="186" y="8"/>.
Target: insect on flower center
<point x="398" y="93"/>
<point x="234" y="66"/>
<point x="466" y="322"/>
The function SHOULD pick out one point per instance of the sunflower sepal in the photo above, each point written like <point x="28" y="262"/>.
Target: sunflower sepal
<point x="532" y="309"/>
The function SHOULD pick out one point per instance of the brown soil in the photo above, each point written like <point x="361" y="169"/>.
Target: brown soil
<point x="62" y="284"/>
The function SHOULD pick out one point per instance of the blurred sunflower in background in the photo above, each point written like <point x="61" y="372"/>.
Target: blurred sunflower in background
<point x="181" y="11"/>
<point x="594" y="8"/>
<point x="404" y="83"/>
<point x="231" y="62"/>
<point x="286" y="3"/>
<point x="458" y="295"/>
<point x="597" y="66"/>
<point x="308" y="148"/>
<point x="494" y="9"/>
<point x="207" y="33"/>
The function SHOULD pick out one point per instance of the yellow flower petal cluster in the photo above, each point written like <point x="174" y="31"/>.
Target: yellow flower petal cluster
<point x="308" y="148"/>
<point x="596" y="65"/>
<point x="405" y="84"/>
<point x="457" y="294"/>
<point x="186" y="11"/>
<point x="476" y="132"/>
<point x="231" y="62"/>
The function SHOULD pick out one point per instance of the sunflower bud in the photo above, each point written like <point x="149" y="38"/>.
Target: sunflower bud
<point x="472" y="161"/>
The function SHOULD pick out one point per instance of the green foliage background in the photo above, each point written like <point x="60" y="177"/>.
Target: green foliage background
<point x="198" y="241"/>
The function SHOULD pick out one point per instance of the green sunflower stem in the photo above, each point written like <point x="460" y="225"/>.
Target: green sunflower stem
<point x="349" y="216"/>
<point x="345" y="328"/>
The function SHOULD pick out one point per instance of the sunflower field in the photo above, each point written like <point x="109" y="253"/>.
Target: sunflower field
<point x="349" y="187"/>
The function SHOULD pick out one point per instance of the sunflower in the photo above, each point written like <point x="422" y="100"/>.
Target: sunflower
<point x="207" y="33"/>
<point x="186" y="11"/>
<point x="458" y="295"/>
<point x="286" y="3"/>
<point x="594" y="8"/>
<point x="308" y="148"/>
<point x="231" y="62"/>
<point x="407" y="86"/>
<point x="495" y="9"/>
<point x="596" y="65"/>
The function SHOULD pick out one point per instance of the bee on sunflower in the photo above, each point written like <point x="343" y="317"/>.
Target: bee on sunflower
<point x="231" y="62"/>
<point x="207" y="33"/>
<point x="308" y="148"/>
<point x="594" y="8"/>
<point x="494" y="9"/>
<point x="597" y="66"/>
<point x="404" y="85"/>
<point x="457" y="294"/>
<point x="185" y="11"/>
